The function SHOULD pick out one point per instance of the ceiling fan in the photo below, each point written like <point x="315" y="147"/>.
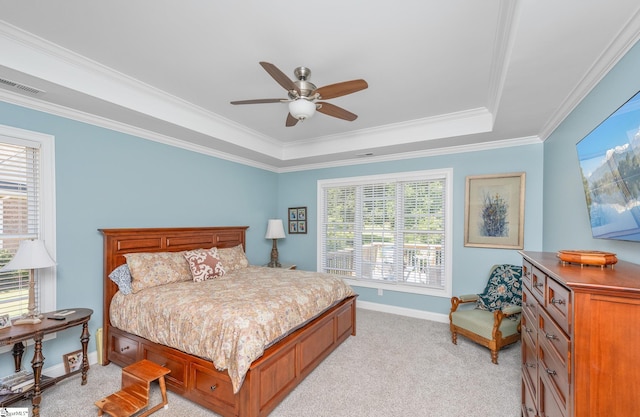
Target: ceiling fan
<point x="304" y="97"/>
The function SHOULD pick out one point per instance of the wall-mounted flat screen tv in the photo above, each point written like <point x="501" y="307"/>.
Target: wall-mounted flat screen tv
<point x="610" y="164"/>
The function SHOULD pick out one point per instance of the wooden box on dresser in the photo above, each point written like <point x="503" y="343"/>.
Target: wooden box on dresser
<point x="580" y="338"/>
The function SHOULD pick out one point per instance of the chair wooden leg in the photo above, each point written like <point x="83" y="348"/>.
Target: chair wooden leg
<point x="454" y="337"/>
<point x="494" y="356"/>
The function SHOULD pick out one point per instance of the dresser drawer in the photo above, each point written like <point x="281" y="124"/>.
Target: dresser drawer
<point x="537" y="284"/>
<point x="528" y="400"/>
<point x="212" y="386"/>
<point x="530" y="363"/>
<point x="526" y="273"/>
<point x="550" y="405"/>
<point x="529" y="305"/>
<point x="558" y="304"/>
<point x="556" y="340"/>
<point x="556" y="373"/>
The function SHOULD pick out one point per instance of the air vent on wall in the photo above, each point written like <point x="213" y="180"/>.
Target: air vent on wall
<point x="20" y="87"/>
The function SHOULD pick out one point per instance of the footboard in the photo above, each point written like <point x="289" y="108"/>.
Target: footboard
<point x="269" y="380"/>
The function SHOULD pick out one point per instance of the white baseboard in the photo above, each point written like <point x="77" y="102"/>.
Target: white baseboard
<point x="402" y="311"/>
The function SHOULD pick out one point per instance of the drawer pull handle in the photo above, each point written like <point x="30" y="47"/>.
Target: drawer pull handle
<point x="550" y="336"/>
<point x="124" y="348"/>
<point x="528" y="330"/>
<point x="551" y="371"/>
<point x="531" y="365"/>
<point x="539" y="284"/>
<point x="557" y="301"/>
<point x="213" y="387"/>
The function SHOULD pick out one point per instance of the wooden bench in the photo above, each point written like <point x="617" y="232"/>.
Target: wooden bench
<point x="134" y="395"/>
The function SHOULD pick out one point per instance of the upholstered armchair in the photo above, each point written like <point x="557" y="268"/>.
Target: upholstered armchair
<point x="492" y="318"/>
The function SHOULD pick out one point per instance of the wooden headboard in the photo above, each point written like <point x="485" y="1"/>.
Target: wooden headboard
<point x="118" y="242"/>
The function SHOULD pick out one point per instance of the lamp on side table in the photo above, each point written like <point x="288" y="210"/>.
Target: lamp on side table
<point x="275" y="231"/>
<point x="31" y="254"/>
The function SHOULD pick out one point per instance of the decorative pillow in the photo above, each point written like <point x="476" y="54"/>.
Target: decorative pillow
<point x="503" y="289"/>
<point x="157" y="268"/>
<point x="233" y="258"/>
<point x="204" y="264"/>
<point x="122" y="277"/>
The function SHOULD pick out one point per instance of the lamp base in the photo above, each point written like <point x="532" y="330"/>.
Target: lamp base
<point x="27" y="320"/>
<point x="274" y="264"/>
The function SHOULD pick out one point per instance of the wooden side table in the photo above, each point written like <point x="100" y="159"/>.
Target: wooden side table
<point x="17" y="334"/>
<point x="284" y="266"/>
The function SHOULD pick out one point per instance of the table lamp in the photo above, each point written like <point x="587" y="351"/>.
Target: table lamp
<point x="31" y="254"/>
<point x="275" y="231"/>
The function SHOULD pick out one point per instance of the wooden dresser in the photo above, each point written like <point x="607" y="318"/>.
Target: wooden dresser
<point x="580" y="338"/>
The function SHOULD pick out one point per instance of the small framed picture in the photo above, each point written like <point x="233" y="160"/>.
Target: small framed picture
<point x="5" y="321"/>
<point x="297" y="220"/>
<point x="72" y="361"/>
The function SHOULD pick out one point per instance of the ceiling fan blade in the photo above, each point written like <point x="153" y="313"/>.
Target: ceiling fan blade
<point x="341" y="89"/>
<point x="291" y="121"/>
<point x="260" y="101"/>
<point x="280" y="77"/>
<point x="335" y="111"/>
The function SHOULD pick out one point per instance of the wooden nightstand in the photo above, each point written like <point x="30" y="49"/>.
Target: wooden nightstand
<point x="285" y="266"/>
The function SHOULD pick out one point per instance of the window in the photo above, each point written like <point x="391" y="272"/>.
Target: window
<point x="388" y="231"/>
<point x="26" y="212"/>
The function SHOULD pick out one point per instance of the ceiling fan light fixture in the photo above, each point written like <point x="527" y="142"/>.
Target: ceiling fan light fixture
<point x="302" y="108"/>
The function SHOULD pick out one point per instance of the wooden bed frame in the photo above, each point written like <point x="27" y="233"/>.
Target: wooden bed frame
<point x="271" y="377"/>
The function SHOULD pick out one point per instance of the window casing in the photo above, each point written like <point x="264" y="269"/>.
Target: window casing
<point x="390" y="231"/>
<point x="27" y="211"/>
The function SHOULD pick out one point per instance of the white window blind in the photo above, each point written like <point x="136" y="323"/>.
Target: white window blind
<point x="388" y="230"/>
<point x="19" y="219"/>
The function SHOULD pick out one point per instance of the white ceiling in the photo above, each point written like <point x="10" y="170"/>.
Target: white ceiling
<point x="443" y="75"/>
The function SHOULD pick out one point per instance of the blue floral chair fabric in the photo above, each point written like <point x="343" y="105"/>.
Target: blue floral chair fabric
<point x="491" y="319"/>
<point x="503" y="289"/>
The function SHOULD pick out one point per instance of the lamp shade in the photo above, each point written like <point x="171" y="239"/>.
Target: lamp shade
<point x="31" y="254"/>
<point x="275" y="229"/>
<point x="302" y="108"/>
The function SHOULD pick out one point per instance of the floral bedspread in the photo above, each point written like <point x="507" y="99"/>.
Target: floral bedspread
<point x="230" y="320"/>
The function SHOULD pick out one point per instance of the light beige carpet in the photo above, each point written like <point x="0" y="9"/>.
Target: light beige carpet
<point x="395" y="366"/>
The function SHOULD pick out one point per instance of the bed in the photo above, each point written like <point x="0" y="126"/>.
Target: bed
<point x="269" y="378"/>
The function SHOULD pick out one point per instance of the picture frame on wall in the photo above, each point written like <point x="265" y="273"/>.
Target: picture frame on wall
<point x="297" y="220"/>
<point x="494" y="211"/>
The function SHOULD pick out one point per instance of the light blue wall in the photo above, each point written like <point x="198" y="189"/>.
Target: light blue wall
<point x="470" y="265"/>
<point x="566" y="220"/>
<point x="106" y="179"/>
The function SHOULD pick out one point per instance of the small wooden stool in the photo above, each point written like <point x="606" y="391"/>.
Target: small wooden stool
<point x="134" y="395"/>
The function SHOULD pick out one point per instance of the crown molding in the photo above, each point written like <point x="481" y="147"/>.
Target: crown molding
<point x="627" y="37"/>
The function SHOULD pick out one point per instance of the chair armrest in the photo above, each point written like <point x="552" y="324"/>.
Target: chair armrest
<point x="468" y="298"/>
<point x="511" y="310"/>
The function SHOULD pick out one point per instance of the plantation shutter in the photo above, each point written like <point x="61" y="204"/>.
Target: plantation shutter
<point x="391" y="231"/>
<point x="19" y="218"/>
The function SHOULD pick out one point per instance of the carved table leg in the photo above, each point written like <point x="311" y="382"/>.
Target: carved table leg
<point x="18" y="350"/>
<point x="84" y="338"/>
<point x="36" y="363"/>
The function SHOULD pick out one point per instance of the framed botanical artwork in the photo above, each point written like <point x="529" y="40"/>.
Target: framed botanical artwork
<point x="297" y="220"/>
<point x="494" y="211"/>
<point x="72" y="361"/>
